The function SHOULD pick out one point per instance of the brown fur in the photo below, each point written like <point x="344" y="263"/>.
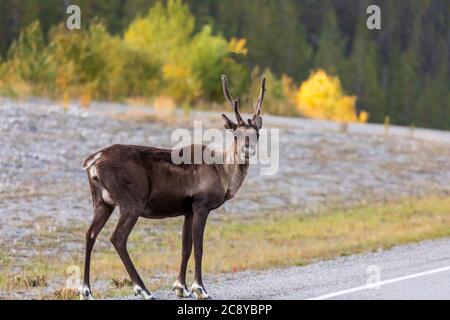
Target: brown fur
<point x="144" y="182"/>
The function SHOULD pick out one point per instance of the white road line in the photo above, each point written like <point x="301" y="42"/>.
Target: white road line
<point x="380" y="283"/>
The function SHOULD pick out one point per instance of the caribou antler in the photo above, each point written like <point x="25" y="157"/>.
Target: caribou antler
<point x="258" y="104"/>
<point x="233" y="103"/>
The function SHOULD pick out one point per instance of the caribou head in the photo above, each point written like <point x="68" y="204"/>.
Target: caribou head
<point x="246" y="134"/>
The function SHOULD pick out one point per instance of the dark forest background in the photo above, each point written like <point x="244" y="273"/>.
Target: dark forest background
<point x="401" y="71"/>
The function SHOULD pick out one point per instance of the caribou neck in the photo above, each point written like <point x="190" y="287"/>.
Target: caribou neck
<point x="235" y="172"/>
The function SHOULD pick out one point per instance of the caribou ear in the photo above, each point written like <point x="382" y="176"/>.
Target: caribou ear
<point x="258" y="123"/>
<point x="227" y="123"/>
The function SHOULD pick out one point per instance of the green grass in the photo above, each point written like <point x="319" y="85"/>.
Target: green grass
<point x="279" y="241"/>
<point x="297" y="240"/>
<point x="290" y="240"/>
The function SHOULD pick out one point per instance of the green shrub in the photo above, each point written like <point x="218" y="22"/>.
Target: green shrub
<point x="191" y="63"/>
<point x="160" y="56"/>
<point x="28" y="61"/>
<point x="280" y="95"/>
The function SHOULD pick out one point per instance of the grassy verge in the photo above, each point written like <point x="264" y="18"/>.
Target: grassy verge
<point x="297" y="240"/>
<point x="232" y="246"/>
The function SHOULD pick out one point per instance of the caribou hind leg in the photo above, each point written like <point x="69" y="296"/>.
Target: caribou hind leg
<point x="180" y="285"/>
<point x="119" y="238"/>
<point x="102" y="212"/>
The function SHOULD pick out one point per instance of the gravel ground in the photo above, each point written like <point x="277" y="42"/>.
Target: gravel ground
<point x="42" y="147"/>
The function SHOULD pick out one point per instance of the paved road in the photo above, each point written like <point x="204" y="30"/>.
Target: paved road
<point x="417" y="271"/>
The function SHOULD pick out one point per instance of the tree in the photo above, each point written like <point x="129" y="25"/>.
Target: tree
<point x="364" y="79"/>
<point x="331" y="44"/>
<point x="322" y="97"/>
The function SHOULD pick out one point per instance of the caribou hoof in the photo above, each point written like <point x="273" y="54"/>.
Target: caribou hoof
<point x="199" y="292"/>
<point x="181" y="290"/>
<point x="85" y="293"/>
<point x="138" y="291"/>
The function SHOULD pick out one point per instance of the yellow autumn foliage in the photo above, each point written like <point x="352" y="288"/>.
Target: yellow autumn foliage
<point x="190" y="62"/>
<point x="321" y="96"/>
<point x="238" y="46"/>
<point x="161" y="54"/>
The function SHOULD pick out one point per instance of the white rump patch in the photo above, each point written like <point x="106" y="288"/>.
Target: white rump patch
<point x="107" y="197"/>
<point x="92" y="171"/>
<point x="92" y="161"/>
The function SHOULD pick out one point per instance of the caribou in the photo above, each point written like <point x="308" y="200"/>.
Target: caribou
<point x="144" y="182"/>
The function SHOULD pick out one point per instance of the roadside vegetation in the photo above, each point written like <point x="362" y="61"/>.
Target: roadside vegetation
<point x="175" y="50"/>
<point x="164" y="58"/>
<point x="284" y="239"/>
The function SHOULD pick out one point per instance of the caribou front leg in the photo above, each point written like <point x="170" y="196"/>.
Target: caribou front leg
<point x="198" y="228"/>
<point x="180" y="285"/>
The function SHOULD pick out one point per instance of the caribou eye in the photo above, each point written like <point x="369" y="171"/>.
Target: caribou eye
<point x="237" y="134"/>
